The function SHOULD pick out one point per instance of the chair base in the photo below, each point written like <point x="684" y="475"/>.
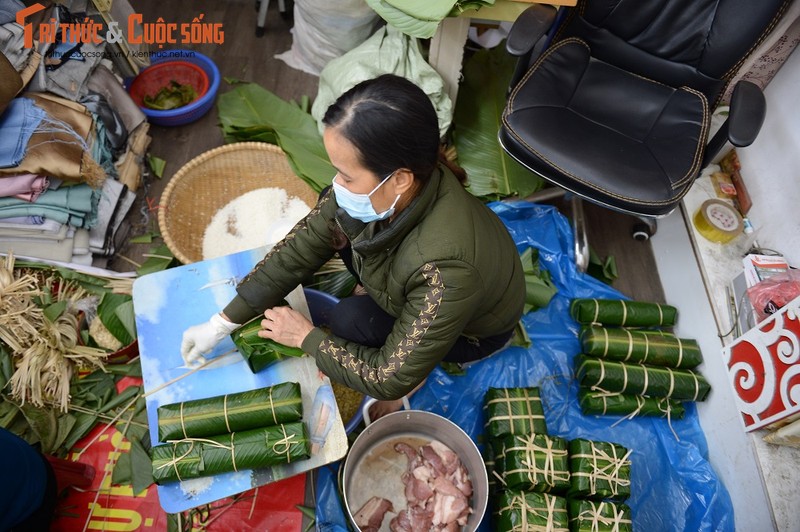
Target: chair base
<point x="645" y="227"/>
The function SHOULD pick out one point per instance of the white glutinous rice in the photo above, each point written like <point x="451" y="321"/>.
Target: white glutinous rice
<point x="257" y="218"/>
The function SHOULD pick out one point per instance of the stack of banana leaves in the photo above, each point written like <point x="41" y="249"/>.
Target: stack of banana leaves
<point x="67" y="346"/>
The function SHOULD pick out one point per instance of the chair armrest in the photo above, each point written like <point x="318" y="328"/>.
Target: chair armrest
<point x="748" y="108"/>
<point x="530" y="28"/>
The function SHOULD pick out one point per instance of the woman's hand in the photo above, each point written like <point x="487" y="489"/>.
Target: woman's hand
<point x="285" y="326"/>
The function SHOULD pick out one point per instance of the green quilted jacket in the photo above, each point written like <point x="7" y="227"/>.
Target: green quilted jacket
<point x="445" y="266"/>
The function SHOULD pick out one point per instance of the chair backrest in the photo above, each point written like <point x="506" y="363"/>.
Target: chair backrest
<point x="694" y="43"/>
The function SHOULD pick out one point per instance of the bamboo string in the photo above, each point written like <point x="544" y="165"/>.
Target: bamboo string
<point x="596" y="517"/>
<point x="532" y="470"/>
<point x="114" y="420"/>
<point x="287" y="441"/>
<point x="272" y="406"/>
<point x="233" y="452"/>
<point x="280" y="447"/>
<point x="608" y="473"/>
<point x="624" y="313"/>
<point x="640" y="402"/>
<point x="520" y="503"/>
<point x="225" y="411"/>
<point x="625" y="378"/>
<point x="507" y="399"/>
<point x="646" y="382"/>
<point x="190" y="372"/>
<point x="107" y="471"/>
<point x="630" y="345"/>
<point x="183" y="426"/>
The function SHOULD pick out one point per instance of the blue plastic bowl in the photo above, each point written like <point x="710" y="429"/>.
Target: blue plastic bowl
<point x="196" y="109"/>
<point x="320" y="305"/>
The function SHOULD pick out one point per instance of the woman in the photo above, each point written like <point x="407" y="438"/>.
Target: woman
<point x="442" y="276"/>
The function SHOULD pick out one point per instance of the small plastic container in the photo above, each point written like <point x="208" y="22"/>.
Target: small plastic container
<point x="159" y="75"/>
<point x="195" y="110"/>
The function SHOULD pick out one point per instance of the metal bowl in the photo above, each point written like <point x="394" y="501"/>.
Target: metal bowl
<point x="373" y="467"/>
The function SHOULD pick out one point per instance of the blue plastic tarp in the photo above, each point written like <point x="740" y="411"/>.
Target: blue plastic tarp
<point x="673" y="487"/>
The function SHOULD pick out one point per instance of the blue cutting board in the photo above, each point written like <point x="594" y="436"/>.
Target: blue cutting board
<point x="168" y="302"/>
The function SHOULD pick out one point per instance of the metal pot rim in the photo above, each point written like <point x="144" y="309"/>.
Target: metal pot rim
<point x="474" y="464"/>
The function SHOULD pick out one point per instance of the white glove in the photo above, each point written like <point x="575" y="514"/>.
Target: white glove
<point x="200" y="339"/>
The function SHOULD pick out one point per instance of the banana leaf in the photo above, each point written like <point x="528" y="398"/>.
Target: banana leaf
<point x="481" y="98"/>
<point x="513" y="411"/>
<point x="518" y="511"/>
<point x="644" y="347"/>
<point x="539" y="287"/>
<point x="238" y="451"/>
<point x="604" y="403"/>
<point x="251" y="112"/>
<point x="534" y="462"/>
<point x="623" y="313"/>
<point x="636" y="379"/>
<point x="107" y="312"/>
<point x="234" y="412"/>
<point x="258" y="352"/>
<point x="592" y="516"/>
<point x="599" y="470"/>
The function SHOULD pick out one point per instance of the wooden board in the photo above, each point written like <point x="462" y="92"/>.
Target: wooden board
<point x="168" y="302"/>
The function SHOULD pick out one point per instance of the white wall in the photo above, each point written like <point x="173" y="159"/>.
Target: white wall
<point x="771" y="165"/>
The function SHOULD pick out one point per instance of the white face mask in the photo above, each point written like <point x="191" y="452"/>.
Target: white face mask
<point x="359" y="206"/>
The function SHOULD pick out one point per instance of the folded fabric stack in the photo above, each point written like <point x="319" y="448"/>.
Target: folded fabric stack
<point x="629" y="365"/>
<point x="543" y="482"/>
<point x="234" y="432"/>
<point x="71" y="146"/>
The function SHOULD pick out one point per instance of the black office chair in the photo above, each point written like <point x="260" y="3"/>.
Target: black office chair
<point x="613" y="103"/>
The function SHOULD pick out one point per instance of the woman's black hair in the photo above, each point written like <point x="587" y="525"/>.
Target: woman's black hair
<point x="392" y="124"/>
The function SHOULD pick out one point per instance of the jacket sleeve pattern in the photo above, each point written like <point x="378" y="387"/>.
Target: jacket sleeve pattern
<point x="304" y="249"/>
<point x="404" y="348"/>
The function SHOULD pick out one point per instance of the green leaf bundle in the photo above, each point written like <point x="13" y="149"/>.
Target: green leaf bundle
<point x="645" y="347"/>
<point x="513" y="411"/>
<point x="252" y="113"/>
<point x="637" y="379"/>
<point x="599" y="470"/>
<point x="539" y="287"/>
<point x="258" y="352"/>
<point x="234" y="412"/>
<point x="623" y="313"/>
<point x="518" y="511"/>
<point x="592" y="516"/>
<point x="238" y="451"/>
<point x="535" y="462"/>
<point x="492" y="173"/>
<point x="605" y="403"/>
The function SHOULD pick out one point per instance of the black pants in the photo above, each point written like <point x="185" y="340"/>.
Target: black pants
<point x="40" y="519"/>
<point x="359" y="319"/>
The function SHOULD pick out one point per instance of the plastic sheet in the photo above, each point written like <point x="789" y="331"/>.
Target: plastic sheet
<point x="673" y="487"/>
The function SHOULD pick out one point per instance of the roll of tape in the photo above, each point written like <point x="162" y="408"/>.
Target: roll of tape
<point x="718" y="221"/>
